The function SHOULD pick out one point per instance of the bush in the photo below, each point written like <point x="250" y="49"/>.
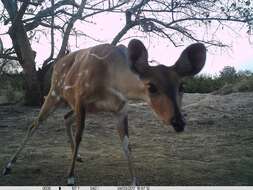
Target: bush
<point x="202" y="84"/>
<point x="16" y="81"/>
<point x="227" y="82"/>
<point x="245" y="85"/>
<point x="11" y="88"/>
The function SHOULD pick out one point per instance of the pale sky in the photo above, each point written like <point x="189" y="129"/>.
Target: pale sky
<point x="240" y="55"/>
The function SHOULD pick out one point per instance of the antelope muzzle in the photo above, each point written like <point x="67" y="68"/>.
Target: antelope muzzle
<point x="178" y="123"/>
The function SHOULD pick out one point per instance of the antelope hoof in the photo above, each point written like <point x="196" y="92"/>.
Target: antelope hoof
<point x="79" y="158"/>
<point x="135" y="182"/>
<point x="71" y="181"/>
<point x="6" y="170"/>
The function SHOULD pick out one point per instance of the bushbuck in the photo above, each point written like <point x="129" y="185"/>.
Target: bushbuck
<point x="103" y="78"/>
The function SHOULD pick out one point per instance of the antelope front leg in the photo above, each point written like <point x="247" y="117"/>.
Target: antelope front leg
<point x="80" y="124"/>
<point x="29" y="133"/>
<point x="124" y="137"/>
<point x="49" y="106"/>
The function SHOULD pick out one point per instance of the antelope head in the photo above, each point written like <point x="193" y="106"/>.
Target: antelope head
<point x="163" y="84"/>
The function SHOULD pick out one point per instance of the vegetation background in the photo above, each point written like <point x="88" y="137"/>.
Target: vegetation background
<point x="60" y="25"/>
<point x="228" y="81"/>
<point x="216" y="149"/>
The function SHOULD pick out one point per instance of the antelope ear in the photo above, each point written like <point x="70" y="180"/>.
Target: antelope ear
<point x="138" y="57"/>
<point x="191" y="61"/>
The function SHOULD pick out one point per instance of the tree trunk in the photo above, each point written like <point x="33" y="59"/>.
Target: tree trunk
<point x="44" y="77"/>
<point x="26" y="57"/>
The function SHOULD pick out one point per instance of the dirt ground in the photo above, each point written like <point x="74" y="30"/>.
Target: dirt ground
<point x="216" y="148"/>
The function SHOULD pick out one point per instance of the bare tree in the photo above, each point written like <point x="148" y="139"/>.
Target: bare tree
<point x="20" y="25"/>
<point x="1" y="46"/>
<point x="177" y="20"/>
<point x="28" y="20"/>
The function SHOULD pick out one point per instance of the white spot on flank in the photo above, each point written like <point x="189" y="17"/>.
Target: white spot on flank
<point x="76" y="62"/>
<point x="98" y="57"/>
<point x="94" y="55"/>
<point x="63" y="82"/>
<point x="86" y="85"/>
<point x="53" y="93"/>
<point x="80" y="74"/>
<point x="58" y="98"/>
<point x="67" y="87"/>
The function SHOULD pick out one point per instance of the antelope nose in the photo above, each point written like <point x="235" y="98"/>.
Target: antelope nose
<point x="178" y="124"/>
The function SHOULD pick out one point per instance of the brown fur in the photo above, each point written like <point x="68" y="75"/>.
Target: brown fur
<point x="99" y="79"/>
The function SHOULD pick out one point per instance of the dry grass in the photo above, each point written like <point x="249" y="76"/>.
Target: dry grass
<point x="216" y="149"/>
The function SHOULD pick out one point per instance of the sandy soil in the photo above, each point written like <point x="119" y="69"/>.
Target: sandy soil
<point x="216" y="149"/>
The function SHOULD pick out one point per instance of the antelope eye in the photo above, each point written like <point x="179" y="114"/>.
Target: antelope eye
<point x="181" y="88"/>
<point x="152" y="89"/>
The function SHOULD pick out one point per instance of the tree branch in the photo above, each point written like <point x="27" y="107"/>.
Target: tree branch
<point x="103" y="10"/>
<point x="129" y="23"/>
<point x="36" y="20"/>
<point x="123" y="31"/>
<point x="1" y="46"/>
<point x="4" y="56"/>
<point x="22" y="10"/>
<point x="11" y="8"/>
<point x="70" y="25"/>
<point x="52" y="36"/>
<point x="33" y="3"/>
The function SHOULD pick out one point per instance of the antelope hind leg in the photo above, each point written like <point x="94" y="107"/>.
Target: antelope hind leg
<point x="80" y="124"/>
<point x="69" y="120"/>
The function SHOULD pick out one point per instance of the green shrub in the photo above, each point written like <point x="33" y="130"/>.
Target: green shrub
<point x="11" y="88"/>
<point x="202" y="84"/>
<point x="245" y="85"/>
<point x="227" y="82"/>
<point x="16" y="81"/>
